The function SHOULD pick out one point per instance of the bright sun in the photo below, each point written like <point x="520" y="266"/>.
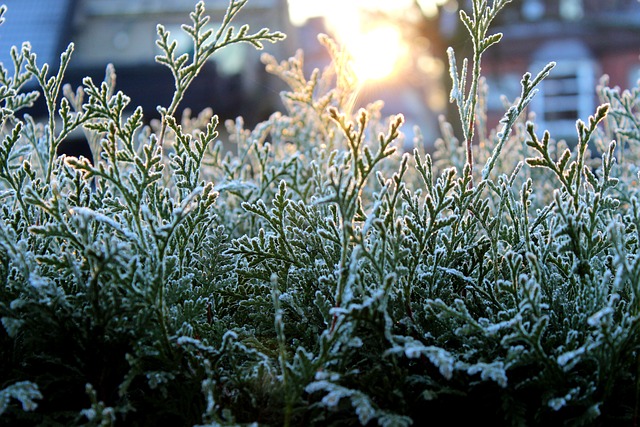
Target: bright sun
<point x="377" y="49"/>
<point x="376" y="53"/>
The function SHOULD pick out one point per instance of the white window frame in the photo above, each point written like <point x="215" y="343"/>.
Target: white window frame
<point x="570" y="87"/>
<point x="634" y="76"/>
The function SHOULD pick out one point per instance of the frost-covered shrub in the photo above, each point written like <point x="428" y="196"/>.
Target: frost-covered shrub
<point x="315" y="274"/>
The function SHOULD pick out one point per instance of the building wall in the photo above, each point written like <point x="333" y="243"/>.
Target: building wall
<point x="595" y="37"/>
<point x="125" y="30"/>
<point x="621" y="67"/>
<point x="124" y="33"/>
<point x="41" y="23"/>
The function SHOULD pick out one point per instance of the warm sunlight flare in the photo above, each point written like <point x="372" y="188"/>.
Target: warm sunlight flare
<point x="376" y="48"/>
<point x="376" y="53"/>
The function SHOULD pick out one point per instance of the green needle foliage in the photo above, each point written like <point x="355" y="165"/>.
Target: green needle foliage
<point x="314" y="274"/>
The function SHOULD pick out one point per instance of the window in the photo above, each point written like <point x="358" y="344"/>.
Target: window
<point x="634" y="76"/>
<point x="533" y="10"/>
<point x="568" y="93"/>
<point x="571" y="10"/>
<point x="230" y="61"/>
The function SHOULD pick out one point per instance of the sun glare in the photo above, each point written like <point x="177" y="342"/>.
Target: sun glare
<point x="376" y="53"/>
<point x="378" y="48"/>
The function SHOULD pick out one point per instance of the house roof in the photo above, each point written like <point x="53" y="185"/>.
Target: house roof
<point x="42" y="23"/>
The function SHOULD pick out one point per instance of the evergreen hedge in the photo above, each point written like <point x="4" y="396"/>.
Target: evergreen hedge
<point x="314" y="274"/>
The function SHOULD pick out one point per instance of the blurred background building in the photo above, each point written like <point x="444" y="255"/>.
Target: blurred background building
<point x="123" y="32"/>
<point x="586" y="38"/>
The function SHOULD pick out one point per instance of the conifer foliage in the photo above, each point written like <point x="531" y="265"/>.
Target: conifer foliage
<point x="307" y="271"/>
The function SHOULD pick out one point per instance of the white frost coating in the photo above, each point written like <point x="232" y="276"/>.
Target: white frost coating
<point x="333" y="398"/>
<point x="597" y="318"/>
<point x="364" y="409"/>
<point x="90" y="413"/>
<point x="11" y="325"/>
<point x="90" y="213"/>
<point x="494" y="371"/>
<point x="565" y="358"/>
<point x="436" y="355"/>
<point x="24" y="391"/>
